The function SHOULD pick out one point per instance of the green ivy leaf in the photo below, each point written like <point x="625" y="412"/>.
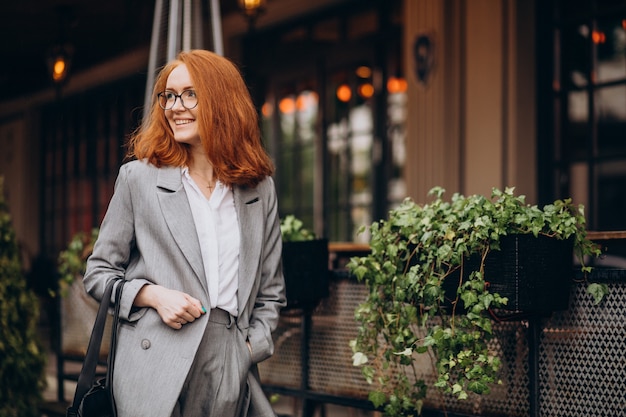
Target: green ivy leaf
<point x="598" y="291"/>
<point x="479" y="387"/>
<point x="469" y="298"/>
<point x="377" y="398"/>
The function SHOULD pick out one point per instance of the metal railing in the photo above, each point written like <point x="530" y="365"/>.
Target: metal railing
<point x="572" y="363"/>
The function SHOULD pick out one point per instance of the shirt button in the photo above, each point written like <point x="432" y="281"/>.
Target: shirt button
<point x="145" y="344"/>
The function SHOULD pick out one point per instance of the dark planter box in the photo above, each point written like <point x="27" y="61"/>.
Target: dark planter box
<point x="534" y="273"/>
<point x="305" y="267"/>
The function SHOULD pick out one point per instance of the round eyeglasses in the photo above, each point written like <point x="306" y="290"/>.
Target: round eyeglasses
<point x="188" y="99"/>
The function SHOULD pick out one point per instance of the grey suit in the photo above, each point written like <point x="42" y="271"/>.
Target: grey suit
<point x="148" y="236"/>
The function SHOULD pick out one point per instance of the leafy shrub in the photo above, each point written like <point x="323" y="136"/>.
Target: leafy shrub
<point x="22" y="360"/>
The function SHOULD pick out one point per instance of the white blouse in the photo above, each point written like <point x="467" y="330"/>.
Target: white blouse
<point x="218" y="233"/>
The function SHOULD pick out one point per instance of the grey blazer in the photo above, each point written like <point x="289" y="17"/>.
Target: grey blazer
<point x="148" y="236"/>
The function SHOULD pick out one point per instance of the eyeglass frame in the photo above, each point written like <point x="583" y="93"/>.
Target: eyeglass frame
<point x="176" y="97"/>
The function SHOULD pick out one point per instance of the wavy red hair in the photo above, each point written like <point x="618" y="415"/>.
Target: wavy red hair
<point x="227" y="122"/>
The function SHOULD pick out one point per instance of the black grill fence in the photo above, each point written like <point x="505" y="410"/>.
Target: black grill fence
<point x="569" y="363"/>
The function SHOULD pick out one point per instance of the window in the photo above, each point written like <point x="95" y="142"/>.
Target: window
<point x="588" y="107"/>
<point x="83" y="141"/>
<point x="333" y="116"/>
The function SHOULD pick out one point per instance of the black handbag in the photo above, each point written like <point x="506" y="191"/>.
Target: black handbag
<point x="94" y="398"/>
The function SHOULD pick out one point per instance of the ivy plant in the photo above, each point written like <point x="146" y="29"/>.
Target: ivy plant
<point x="292" y="229"/>
<point x="72" y="261"/>
<point x="413" y="252"/>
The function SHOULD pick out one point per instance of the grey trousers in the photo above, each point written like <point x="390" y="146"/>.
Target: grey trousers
<point x="216" y="385"/>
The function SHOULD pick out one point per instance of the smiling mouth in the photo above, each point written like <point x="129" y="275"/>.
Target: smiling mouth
<point x="183" y="122"/>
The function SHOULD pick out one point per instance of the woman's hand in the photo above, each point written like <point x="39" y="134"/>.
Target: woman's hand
<point x="175" y="308"/>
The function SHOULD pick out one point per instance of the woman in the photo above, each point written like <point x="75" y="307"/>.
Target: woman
<point x="193" y="227"/>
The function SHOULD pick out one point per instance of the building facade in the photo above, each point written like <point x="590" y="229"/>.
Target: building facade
<point x="362" y="103"/>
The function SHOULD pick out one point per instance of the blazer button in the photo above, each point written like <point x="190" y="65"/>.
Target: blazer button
<point x="145" y="344"/>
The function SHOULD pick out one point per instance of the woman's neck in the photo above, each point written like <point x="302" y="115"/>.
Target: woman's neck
<point x="201" y="166"/>
<point x="202" y="173"/>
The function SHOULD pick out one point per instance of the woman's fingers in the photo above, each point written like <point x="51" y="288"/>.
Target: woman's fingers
<point x="196" y="309"/>
<point x="177" y="308"/>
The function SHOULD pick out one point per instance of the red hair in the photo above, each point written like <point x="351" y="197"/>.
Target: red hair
<point x="227" y="122"/>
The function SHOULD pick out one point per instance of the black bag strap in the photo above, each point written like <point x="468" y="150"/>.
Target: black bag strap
<point x="88" y="370"/>
<point x="113" y="343"/>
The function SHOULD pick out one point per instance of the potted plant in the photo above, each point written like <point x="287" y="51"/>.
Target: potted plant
<point x="73" y="259"/>
<point x="428" y="276"/>
<point x="305" y="264"/>
<point x="78" y="309"/>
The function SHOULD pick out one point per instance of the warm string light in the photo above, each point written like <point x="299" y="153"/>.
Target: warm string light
<point x="366" y="90"/>
<point x="287" y="105"/>
<point x="597" y="36"/>
<point x="363" y="72"/>
<point x="344" y="93"/>
<point x="396" y="85"/>
<point x="301" y="102"/>
<point x="267" y="109"/>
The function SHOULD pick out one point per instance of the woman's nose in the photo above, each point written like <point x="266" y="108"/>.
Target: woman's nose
<point x="178" y="104"/>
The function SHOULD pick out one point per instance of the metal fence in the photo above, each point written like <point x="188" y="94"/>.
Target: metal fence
<point x="572" y="363"/>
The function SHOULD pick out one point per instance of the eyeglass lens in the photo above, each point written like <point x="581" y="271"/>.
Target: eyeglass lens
<point x="188" y="99"/>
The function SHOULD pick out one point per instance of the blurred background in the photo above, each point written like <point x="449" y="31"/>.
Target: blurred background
<point x="362" y="103"/>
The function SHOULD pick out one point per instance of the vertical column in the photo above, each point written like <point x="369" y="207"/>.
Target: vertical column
<point x="521" y="161"/>
<point x="485" y="104"/>
<point x="432" y="67"/>
<point x="153" y="59"/>
<point x="471" y="123"/>
<point x="179" y="22"/>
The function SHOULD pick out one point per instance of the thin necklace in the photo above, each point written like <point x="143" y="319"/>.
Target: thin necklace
<point x="210" y="185"/>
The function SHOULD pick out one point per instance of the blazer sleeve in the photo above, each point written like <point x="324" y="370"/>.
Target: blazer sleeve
<point x="270" y="297"/>
<point x="113" y="248"/>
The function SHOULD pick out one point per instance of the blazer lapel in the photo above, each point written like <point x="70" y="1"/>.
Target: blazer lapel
<point x="250" y="213"/>
<point x="178" y="216"/>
